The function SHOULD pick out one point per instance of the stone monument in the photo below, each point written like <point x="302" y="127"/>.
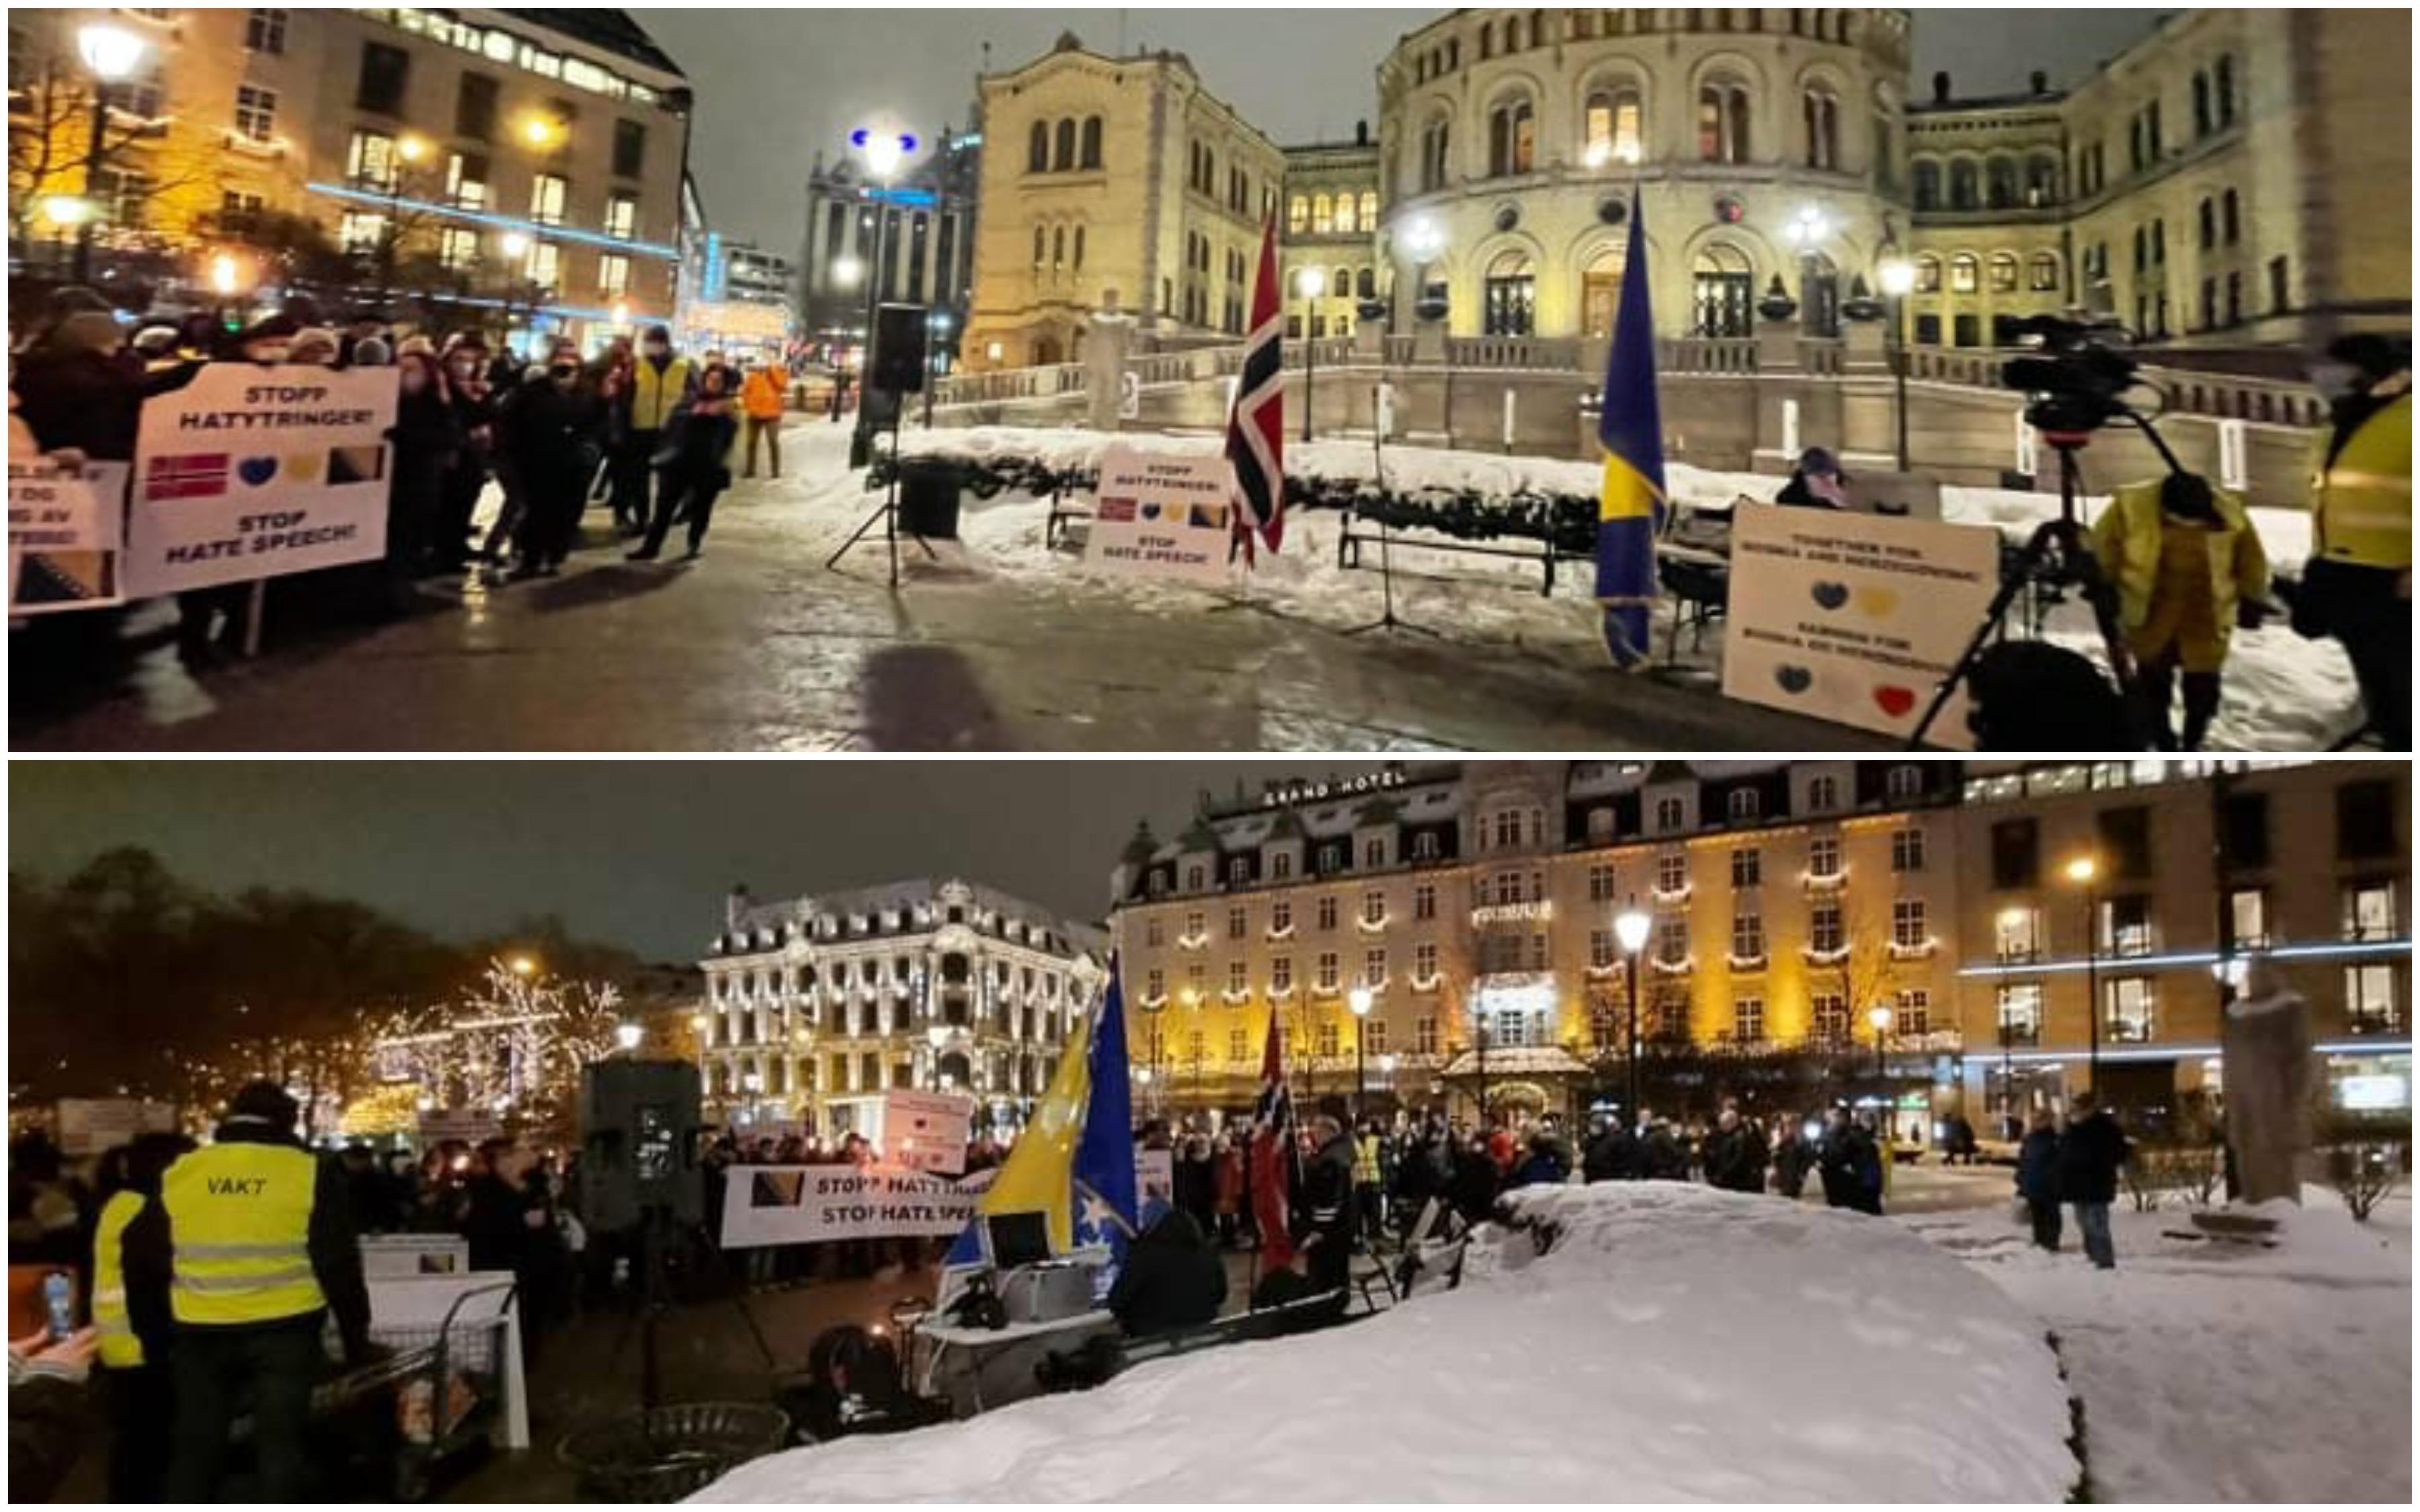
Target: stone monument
<point x="2265" y="1075"/>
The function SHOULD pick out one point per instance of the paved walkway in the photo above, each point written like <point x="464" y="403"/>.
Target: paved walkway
<point x="757" y="647"/>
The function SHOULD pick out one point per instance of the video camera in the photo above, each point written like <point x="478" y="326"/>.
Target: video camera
<point x="2077" y="384"/>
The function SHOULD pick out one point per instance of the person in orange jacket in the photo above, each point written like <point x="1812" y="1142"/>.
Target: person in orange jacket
<point x="760" y="402"/>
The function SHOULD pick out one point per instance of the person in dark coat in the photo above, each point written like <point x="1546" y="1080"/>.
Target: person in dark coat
<point x="428" y="447"/>
<point x="474" y="398"/>
<point x="2088" y="1159"/>
<point x="1474" y="1186"/>
<point x="1851" y="1165"/>
<point x="1664" y="1158"/>
<point x="1815" y="483"/>
<point x="2038" y="1166"/>
<point x="1172" y="1278"/>
<point x="1325" y="1218"/>
<point x="82" y="390"/>
<point x="692" y="468"/>
<point x="548" y="426"/>
<point x="1542" y="1165"/>
<point x="1736" y="1154"/>
<point x="1612" y="1154"/>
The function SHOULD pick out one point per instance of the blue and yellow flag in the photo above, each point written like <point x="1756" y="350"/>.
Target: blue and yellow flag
<point x="1630" y="425"/>
<point x="1075" y="1163"/>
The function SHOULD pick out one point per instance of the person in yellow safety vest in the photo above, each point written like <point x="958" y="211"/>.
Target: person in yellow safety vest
<point x="135" y="1387"/>
<point x="249" y="1251"/>
<point x="2189" y="568"/>
<point x="761" y="397"/>
<point x="659" y="388"/>
<point x="2357" y="586"/>
<point x="1369" y="1181"/>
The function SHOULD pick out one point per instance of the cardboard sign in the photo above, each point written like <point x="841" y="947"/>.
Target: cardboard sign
<point x="928" y="1131"/>
<point x="811" y="1204"/>
<point x="255" y="471"/>
<point x="469" y="1125"/>
<point x="1855" y="618"/>
<point x="386" y="1256"/>
<point x="63" y="537"/>
<point x="90" y="1125"/>
<point x="1162" y="515"/>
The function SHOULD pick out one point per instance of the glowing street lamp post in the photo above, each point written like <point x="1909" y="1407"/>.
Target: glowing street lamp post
<point x="111" y="51"/>
<point x="883" y="151"/>
<point x="1360" y="1001"/>
<point x="1886" y="1115"/>
<point x="1309" y="282"/>
<point x="1629" y="929"/>
<point x="2083" y="872"/>
<point x="1898" y="278"/>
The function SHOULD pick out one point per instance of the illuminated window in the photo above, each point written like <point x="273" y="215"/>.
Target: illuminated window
<point x="622" y="216"/>
<point x="548" y="193"/>
<point x="612" y="276"/>
<point x="255" y="113"/>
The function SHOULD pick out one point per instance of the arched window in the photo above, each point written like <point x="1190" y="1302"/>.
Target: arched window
<point x="1037" y="150"/>
<point x="2045" y="272"/>
<point x="1079" y="250"/>
<point x="1092" y="158"/>
<point x="1323" y="215"/>
<point x="1435" y="151"/>
<point x="2223" y="87"/>
<point x="1512" y="138"/>
<point x="1610" y="127"/>
<point x="1340" y="283"/>
<point x="1601" y="292"/>
<point x="1965" y="191"/>
<point x="1928" y="184"/>
<point x="1723" y="283"/>
<point x="2231" y="217"/>
<point x="1965" y="274"/>
<point x="1823" y="114"/>
<point x="1058" y="249"/>
<point x="1487" y="40"/>
<point x="1928" y="275"/>
<point x="1369" y="219"/>
<point x="2041" y="181"/>
<point x="1512" y="295"/>
<point x="1041" y="245"/>
<point x="1723" y="122"/>
<point x="1365" y="283"/>
<point x="2003" y="272"/>
<point x="1064" y="158"/>
<point x="2000" y="183"/>
<point x="2208" y="219"/>
<point x="1299" y="214"/>
<point x="2203" y="117"/>
<point x="1512" y="36"/>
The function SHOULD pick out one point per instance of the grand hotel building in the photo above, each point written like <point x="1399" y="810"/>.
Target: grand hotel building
<point x="1790" y="902"/>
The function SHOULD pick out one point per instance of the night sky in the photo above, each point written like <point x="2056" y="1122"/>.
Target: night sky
<point x="774" y="87"/>
<point x="637" y="854"/>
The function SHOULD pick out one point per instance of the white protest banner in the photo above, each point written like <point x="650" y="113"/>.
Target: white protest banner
<point x="1855" y="618"/>
<point x="252" y="472"/>
<point x="810" y="1204"/>
<point x="63" y="535"/>
<point x="385" y="1256"/>
<point x="928" y="1131"/>
<point x="469" y="1125"/>
<point x="90" y="1125"/>
<point x="1154" y="1179"/>
<point x="1161" y="516"/>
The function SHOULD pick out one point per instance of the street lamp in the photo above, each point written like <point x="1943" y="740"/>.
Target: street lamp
<point x="1309" y="282"/>
<point x="1879" y="1017"/>
<point x="1358" y="999"/>
<point x="1629" y="929"/>
<point x="627" y="1034"/>
<point x="882" y="152"/>
<point x="2083" y="872"/>
<point x="523" y="966"/>
<point x="1897" y="276"/>
<point x="409" y="149"/>
<point x="111" y="52"/>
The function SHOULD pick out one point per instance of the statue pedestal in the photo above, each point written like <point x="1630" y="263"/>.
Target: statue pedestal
<point x="1108" y="338"/>
<point x="2227" y="1228"/>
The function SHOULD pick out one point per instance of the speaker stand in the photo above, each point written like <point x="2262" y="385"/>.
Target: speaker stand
<point x="885" y="513"/>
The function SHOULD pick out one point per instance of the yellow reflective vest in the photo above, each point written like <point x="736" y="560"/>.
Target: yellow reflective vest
<point x="2127" y="539"/>
<point x="240" y="1222"/>
<point x="655" y="396"/>
<point x="120" y="1349"/>
<point x="2360" y="499"/>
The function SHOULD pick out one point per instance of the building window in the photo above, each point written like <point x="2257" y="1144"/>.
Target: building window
<point x="1281" y="973"/>
<point x="1298" y="215"/>
<point x="1091" y="155"/>
<point x="612" y="276"/>
<point x="1903" y="784"/>
<point x="1747" y="868"/>
<point x="1325" y="919"/>
<point x="2366" y="824"/>
<point x="1424" y="961"/>
<point x="1240" y="1045"/>
<point x="1742" y="802"/>
<point x="1373" y="907"/>
<point x="238" y="209"/>
<point x="1965" y="274"/>
<point x="361" y="231"/>
<point x="629" y="148"/>
<point x="1238" y="921"/>
<point x="465" y="180"/>
<point x="1280" y="915"/>
<point x="2018" y="936"/>
<point x="1907" y="850"/>
<point x="264" y="31"/>
<point x="1154" y="933"/>
<point x="1599" y="947"/>
<point x="1823" y="112"/>
<point x="1425" y="900"/>
<point x="2369" y="912"/>
<point x="370" y="162"/>
<point x="2369" y="1000"/>
<point x="1672" y="872"/>
<point x="1235" y="980"/>
<point x="1824" y="935"/>
<point x="1723" y="123"/>
<point x="1907" y="924"/>
<point x="1063" y="140"/>
<point x="1600" y="883"/>
<point x="2247" y="919"/>
<point x="1327" y="973"/>
<point x="1511" y="139"/>
<point x="2126" y="1014"/>
<point x="2126" y="925"/>
<point x="384" y="72"/>
<point x="1824" y="796"/>
<point x="1823" y="855"/>
<point x="2003" y="274"/>
<point x="255" y="113"/>
<point x="1154" y="985"/>
<point x="1913" y="1014"/>
<point x="1723" y="292"/>
<point x="1747" y="935"/>
<point x="1747" y="1019"/>
<point x="1424" y="1036"/>
<point x="1831" y="1017"/>
<point x="548" y="193"/>
<point x="1374" y="968"/>
<point x="1373" y="854"/>
<point x="1511" y="296"/>
<point x="1928" y="275"/>
<point x="474" y="107"/>
<point x="1672" y="939"/>
<point x="1037" y="148"/>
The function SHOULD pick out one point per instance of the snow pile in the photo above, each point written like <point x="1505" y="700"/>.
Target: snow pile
<point x="1674" y="1344"/>
<point x="2217" y="1373"/>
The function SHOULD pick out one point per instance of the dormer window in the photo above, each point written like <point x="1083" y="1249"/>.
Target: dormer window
<point x="1425" y="846"/>
<point x="1741" y="803"/>
<point x="1668" y="814"/>
<point x="1905" y="783"/>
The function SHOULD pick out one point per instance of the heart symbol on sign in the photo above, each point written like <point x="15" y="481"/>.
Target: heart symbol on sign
<point x="257" y="471"/>
<point x="1793" y="679"/>
<point x="1151" y="511"/>
<point x="1878" y="602"/>
<point x="1831" y="596"/>
<point x="1894" y="701"/>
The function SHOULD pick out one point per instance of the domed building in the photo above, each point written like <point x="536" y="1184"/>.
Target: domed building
<point x="1765" y="144"/>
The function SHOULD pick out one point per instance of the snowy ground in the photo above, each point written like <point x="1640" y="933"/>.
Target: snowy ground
<point x="2221" y="1375"/>
<point x="2283" y="692"/>
<point x="1675" y="1343"/>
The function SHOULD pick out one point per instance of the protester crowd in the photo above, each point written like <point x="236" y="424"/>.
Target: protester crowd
<point x="641" y="429"/>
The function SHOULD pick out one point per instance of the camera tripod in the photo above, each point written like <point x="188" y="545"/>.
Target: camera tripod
<point x="2057" y="558"/>
<point x="652" y="1239"/>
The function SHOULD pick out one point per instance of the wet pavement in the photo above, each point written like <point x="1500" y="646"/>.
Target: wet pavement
<point x="757" y="647"/>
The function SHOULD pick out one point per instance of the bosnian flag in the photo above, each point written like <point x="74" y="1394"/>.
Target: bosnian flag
<point x="1256" y="427"/>
<point x="1275" y="1158"/>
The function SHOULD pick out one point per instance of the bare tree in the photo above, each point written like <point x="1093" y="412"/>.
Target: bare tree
<point x="52" y="146"/>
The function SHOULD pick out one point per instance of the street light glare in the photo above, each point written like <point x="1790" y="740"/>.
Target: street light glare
<point x="1631" y="926"/>
<point x="1879" y="1016"/>
<point x="110" y="52"/>
<point x="847" y="271"/>
<point x="627" y="1035"/>
<point x="1360" y="999"/>
<point x="2082" y="869"/>
<point x="514" y="243"/>
<point x="1307" y="282"/>
<point x="523" y="966"/>
<point x="410" y="148"/>
<point x="1897" y="276"/>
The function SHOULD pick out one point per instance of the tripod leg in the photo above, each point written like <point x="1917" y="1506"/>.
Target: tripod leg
<point x="2028" y="562"/>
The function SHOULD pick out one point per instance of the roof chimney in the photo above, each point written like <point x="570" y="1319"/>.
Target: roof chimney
<point x="1941" y="87"/>
<point x="735" y="905"/>
<point x="1361" y="134"/>
<point x="2040" y="82"/>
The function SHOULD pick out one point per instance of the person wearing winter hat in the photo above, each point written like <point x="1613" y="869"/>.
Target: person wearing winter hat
<point x="372" y="352"/>
<point x="267" y="342"/>
<point x="314" y="346"/>
<point x="83" y="391"/>
<point x="2357" y="585"/>
<point x="1817" y="483"/>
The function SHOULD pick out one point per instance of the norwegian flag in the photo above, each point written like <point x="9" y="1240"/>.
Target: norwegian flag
<point x="1277" y="1159"/>
<point x="1256" y="427"/>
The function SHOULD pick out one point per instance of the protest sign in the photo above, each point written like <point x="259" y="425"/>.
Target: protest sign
<point x="809" y="1204"/>
<point x="469" y="1125"/>
<point x="90" y="1125"/>
<point x="1855" y="618"/>
<point x="928" y="1131"/>
<point x="255" y="471"/>
<point x="1162" y="515"/>
<point x="63" y="535"/>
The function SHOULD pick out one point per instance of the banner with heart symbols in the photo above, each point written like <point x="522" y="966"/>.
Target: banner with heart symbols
<point x="1855" y="618"/>
<point x="252" y="471"/>
<point x="1163" y="514"/>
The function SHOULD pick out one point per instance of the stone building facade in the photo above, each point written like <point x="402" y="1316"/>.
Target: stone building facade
<point x="534" y="157"/>
<point x="815" y="1007"/>
<point x="1112" y="183"/>
<point x="928" y="248"/>
<point x="1331" y="219"/>
<point x="1788" y="902"/>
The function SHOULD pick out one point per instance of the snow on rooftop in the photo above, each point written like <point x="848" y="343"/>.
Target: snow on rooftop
<point x="1675" y="1343"/>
